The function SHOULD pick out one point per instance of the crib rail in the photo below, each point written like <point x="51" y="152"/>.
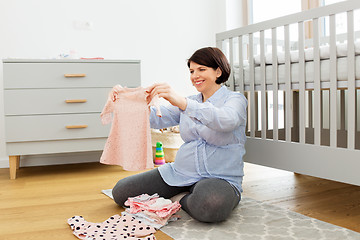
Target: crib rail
<point x="306" y="119"/>
<point x="346" y="6"/>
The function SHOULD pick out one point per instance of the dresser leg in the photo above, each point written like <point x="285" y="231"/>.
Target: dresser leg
<point x="14" y="163"/>
<point x="18" y="163"/>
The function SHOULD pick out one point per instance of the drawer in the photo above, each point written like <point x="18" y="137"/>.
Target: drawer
<point x="56" y="146"/>
<point x="54" y="101"/>
<point x="53" y="127"/>
<point x="79" y="75"/>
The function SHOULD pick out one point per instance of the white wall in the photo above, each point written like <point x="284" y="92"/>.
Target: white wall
<point x="161" y="33"/>
<point x="236" y="13"/>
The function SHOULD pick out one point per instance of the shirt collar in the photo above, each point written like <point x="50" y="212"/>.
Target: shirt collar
<point x="215" y="97"/>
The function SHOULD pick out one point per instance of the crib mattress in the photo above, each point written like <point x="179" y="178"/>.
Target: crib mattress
<point x="324" y="53"/>
<point x="342" y="72"/>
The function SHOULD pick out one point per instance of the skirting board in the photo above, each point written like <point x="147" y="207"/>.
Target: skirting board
<point x="4" y="162"/>
<point x="338" y="164"/>
<point x="54" y="159"/>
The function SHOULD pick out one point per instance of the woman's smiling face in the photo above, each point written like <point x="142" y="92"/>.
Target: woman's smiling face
<point x="203" y="78"/>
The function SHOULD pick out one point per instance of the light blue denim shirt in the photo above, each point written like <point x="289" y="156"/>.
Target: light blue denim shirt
<point x="214" y="138"/>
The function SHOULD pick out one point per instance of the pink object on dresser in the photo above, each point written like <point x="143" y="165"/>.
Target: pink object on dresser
<point x="129" y="141"/>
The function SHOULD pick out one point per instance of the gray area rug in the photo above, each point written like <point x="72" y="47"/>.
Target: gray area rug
<point x="254" y="220"/>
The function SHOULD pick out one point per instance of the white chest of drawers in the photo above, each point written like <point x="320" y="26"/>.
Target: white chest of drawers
<point x="54" y="106"/>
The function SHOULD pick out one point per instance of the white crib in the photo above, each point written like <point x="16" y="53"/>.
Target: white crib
<point x="303" y="92"/>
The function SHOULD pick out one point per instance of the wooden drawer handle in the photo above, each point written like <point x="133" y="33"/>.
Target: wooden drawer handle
<point x="75" y="75"/>
<point x="76" y="126"/>
<point x="76" y="101"/>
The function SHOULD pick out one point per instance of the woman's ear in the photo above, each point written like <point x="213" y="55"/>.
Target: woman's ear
<point x="218" y="72"/>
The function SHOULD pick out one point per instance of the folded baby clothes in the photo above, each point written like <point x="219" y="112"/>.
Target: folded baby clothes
<point x="129" y="141"/>
<point x="157" y="211"/>
<point x="114" y="228"/>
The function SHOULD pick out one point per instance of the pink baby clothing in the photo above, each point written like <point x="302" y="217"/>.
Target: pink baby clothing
<point x="114" y="228"/>
<point x="158" y="205"/>
<point x="129" y="141"/>
<point x="154" y="208"/>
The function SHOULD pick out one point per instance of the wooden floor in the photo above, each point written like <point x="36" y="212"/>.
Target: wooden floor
<point x="37" y="204"/>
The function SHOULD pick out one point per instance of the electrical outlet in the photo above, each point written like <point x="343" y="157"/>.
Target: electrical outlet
<point x="83" y="25"/>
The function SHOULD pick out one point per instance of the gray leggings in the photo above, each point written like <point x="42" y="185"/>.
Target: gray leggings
<point x="209" y="200"/>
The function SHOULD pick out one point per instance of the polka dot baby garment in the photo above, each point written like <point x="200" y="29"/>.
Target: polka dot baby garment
<point x="129" y="141"/>
<point x="115" y="228"/>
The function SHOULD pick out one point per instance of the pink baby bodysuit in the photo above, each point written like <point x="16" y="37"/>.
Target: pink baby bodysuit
<point x="114" y="228"/>
<point x="129" y="141"/>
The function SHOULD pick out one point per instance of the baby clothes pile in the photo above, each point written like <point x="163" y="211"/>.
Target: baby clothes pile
<point x="139" y="222"/>
<point x="153" y="210"/>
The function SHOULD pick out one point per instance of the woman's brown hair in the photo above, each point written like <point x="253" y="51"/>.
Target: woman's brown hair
<point x="214" y="58"/>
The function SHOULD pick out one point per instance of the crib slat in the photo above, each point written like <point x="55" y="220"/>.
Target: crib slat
<point x="333" y="86"/>
<point x="301" y="83"/>
<point x="256" y="105"/>
<point x="342" y="109"/>
<point x="288" y="92"/>
<point x="241" y="65"/>
<point x="351" y="81"/>
<point x="275" y="84"/>
<point x="252" y="85"/>
<point x="317" y="96"/>
<point x="231" y="60"/>
<point x="263" y="87"/>
<point x="309" y="107"/>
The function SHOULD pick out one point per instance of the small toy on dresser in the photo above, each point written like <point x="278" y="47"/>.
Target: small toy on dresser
<point x="159" y="154"/>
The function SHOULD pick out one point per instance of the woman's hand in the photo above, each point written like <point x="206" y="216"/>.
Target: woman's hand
<point x="165" y="91"/>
